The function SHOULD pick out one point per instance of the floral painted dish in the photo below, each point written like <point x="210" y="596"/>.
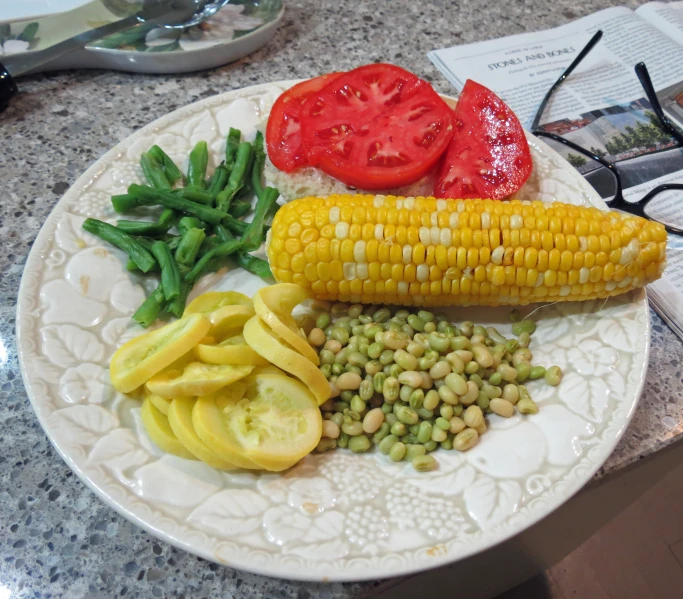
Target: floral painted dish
<point x="338" y="515"/>
<point x="238" y="29"/>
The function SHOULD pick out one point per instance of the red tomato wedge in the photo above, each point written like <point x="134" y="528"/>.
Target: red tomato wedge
<point x="376" y="127"/>
<point x="283" y="132"/>
<point x="489" y="155"/>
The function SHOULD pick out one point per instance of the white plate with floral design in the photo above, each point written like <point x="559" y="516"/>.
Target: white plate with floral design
<point x="336" y="516"/>
<point x="236" y="30"/>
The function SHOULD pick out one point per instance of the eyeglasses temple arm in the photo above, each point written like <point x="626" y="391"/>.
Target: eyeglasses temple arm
<point x="646" y="82"/>
<point x="568" y="71"/>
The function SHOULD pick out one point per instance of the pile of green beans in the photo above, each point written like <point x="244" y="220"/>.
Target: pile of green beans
<point x="409" y="382"/>
<point x="206" y="214"/>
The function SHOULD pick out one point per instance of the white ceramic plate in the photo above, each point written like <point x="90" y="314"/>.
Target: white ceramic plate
<point x="336" y="516"/>
<point x="238" y="29"/>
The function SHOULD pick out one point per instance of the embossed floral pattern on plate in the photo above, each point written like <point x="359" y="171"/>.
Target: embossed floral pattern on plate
<point x="336" y="516"/>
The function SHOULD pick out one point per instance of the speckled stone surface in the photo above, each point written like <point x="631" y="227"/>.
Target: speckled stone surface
<point x="56" y="538"/>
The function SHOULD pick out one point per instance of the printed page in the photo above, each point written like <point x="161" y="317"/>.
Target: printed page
<point x="665" y="17"/>
<point x="521" y="68"/>
<point x="601" y="107"/>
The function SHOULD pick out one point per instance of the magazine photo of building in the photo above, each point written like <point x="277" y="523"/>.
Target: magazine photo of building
<point x="627" y="134"/>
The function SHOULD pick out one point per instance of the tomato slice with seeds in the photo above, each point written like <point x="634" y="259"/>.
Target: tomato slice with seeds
<point x="376" y="127"/>
<point x="283" y="132"/>
<point x="489" y="155"/>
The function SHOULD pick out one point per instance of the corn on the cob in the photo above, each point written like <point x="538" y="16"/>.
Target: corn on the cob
<point x="424" y="251"/>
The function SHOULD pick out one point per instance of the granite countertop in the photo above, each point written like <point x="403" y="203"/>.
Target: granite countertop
<point x="56" y="538"/>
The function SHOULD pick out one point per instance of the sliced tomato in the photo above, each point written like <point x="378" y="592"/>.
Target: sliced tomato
<point x="283" y="132"/>
<point x="376" y="127"/>
<point x="489" y="155"/>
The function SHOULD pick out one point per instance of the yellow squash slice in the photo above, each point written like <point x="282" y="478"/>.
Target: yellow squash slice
<point x="233" y="350"/>
<point x="160" y="403"/>
<point x="263" y="341"/>
<point x="212" y="300"/>
<point x="269" y="369"/>
<point x="195" y="379"/>
<point x="275" y="424"/>
<point x="207" y="421"/>
<point x="274" y="305"/>
<point x="141" y="358"/>
<point x="180" y="419"/>
<point x="159" y="430"/>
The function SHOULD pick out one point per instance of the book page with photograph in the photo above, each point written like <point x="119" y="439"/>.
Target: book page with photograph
<point x="601" y="107"/>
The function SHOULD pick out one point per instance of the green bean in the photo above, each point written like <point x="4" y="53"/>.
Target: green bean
<point x="170" y="275"/>
<point x="153" y="171"/>
<point x="150" y="309"/>
<point x="171" y="171"/>
<point x="254" y="236"/>
<point x="395" y="370"/>
<point x="341" y="406"/>
<point x="353" y="428"/>
<point x="553" y="376"/>
<point x="148" y="196"/>
<point x="195" y="194"/>
<point x="232" y="143"/>
<point x="343" y="440"/>
<point x="199" y="160"/>
<point x="523" y="326"/>
<point x="206" y="261"/>
<point x="124" y="202"/>
<point x="243" y="159"/>
<point x="253" y="264"/>
<point x="166" y="220"/>
<point x="142" y="257"/>
<point x="218" y="181"/>
<point x="186" y="253"/>
<point x="257" y="166"/>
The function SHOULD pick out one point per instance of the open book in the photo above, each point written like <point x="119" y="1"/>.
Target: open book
<point x="601" y="106"/>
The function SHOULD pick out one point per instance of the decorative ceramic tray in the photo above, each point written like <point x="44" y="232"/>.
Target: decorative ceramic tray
<point x="338" y="515"/>
<point x="239" y="28"/>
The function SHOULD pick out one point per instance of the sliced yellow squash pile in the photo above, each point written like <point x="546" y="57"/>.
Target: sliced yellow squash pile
<point x="217" y="384"/>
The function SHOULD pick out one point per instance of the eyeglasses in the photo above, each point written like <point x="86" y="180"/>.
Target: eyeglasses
<point x="626" y="142"/>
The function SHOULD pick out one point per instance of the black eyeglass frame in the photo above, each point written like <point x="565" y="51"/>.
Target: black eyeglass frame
<point x="618" y="202"/>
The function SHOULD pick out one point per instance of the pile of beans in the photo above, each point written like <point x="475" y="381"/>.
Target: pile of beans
<point x="412" y="382"/>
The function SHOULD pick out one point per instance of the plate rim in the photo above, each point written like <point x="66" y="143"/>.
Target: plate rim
<point x="47" y="231"/>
